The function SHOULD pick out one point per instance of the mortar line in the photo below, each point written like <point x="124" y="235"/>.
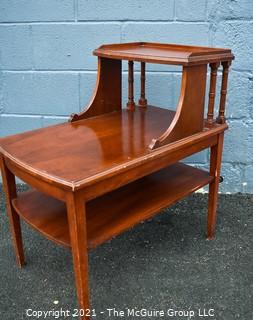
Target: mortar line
<point x="96" y="22"/>
<point x="88" y="71"/>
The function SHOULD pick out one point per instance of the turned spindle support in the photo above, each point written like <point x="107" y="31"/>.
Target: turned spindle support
<point x="143" y="100"/>
<point x="213" y="77"/>
<point x="130" y="103"/>
<point x="221" y="117"/>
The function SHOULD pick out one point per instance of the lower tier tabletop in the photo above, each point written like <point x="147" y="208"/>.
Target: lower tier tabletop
<point x="72" y="152"/>
<point x="114" y="212"/>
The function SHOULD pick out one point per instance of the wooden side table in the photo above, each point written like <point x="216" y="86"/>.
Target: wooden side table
<point x="109" y="168"/>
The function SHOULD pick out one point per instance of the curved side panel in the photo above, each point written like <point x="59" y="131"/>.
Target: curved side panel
<point x="189" y="117"/>
<point x="107" y="94"/>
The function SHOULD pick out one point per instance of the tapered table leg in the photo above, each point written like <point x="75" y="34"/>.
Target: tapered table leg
<point x="215" y="167"/>
<point x="78" y="235"/>
<point x="14" y="220"/>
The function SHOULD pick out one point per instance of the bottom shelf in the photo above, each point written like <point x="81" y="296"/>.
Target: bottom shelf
<point x="114" y="212"/>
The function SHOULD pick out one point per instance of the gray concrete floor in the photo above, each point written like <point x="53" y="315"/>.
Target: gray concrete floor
<point x="164" y="263"/>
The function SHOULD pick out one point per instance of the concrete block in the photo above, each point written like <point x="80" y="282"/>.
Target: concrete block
<point x="240" y="95"/>
<point x="177" y="79"/>
<point x="182" y="33"/>
<point x="11" y="124"/>
<point x="46" y="10"/>
<point x="87" y="88"/>
<point x="238" y="36"/>
<point x="70" y="46"/>
<point x="125" y="10"/>
<point x="229" y="9"/>
<point x="16" y="47"/>
<point x="190" y="10"/>
<point x="1" y="92"/>
<point x="238" y="146"/>
<point x="41" y="93"/>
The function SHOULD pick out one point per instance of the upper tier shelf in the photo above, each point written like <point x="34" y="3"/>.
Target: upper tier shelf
<point x="164" y="53"/>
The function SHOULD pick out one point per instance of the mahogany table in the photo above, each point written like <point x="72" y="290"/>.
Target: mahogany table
<point x="109" y="167"/>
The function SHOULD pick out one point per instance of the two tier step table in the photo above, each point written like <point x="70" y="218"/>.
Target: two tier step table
<point x="111" y="167"/>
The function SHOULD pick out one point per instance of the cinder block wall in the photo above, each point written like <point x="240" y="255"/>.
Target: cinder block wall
<point x="47" y="70"/>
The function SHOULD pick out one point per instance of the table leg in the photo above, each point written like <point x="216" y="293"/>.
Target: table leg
<point x="215" y="167"/>
<point x="9" y="186"/>
<point x="78" y="235"/>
